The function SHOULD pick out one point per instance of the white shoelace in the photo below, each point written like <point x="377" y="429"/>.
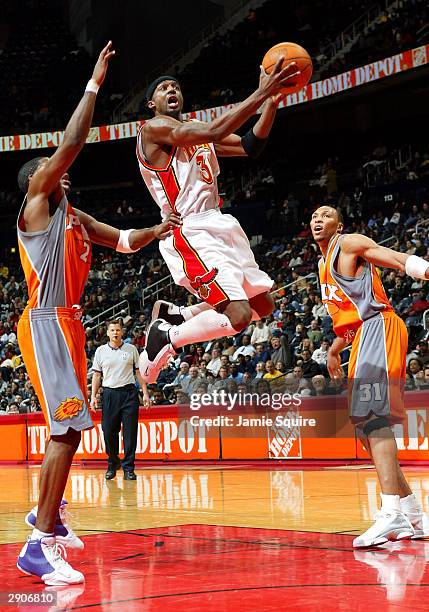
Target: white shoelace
<point x="58" y="553"/>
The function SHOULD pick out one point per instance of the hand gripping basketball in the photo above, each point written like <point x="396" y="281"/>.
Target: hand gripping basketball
<point x="276" y="82"/>
<point x="290" y="54"/>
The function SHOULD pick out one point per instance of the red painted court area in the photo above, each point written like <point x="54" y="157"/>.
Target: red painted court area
<point x="195" y="567"/>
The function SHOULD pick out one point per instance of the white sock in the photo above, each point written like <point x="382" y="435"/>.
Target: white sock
<point x="38" y="535"/>
<point x="390" y="502"/>
<point x="188" y="312"/>
<point x="192" y="311"/>
<point x="410" y="504"/>
<point x="207" y="325"/>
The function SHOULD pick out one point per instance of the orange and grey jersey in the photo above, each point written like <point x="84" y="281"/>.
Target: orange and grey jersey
<point x="350" y="301"/>
<point x="187" y="183"/>
<point x="56" y="261"/>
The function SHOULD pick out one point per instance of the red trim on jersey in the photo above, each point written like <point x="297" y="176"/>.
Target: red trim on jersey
<point x="140" y="156"/>
<point x="201" y="278"/>
<point x="170" y="185"/>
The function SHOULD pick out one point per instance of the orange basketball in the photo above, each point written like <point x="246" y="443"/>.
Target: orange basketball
<point x="291" y="53"/>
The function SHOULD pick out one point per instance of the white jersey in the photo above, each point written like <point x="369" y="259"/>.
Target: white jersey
<point x="187" y="183"/>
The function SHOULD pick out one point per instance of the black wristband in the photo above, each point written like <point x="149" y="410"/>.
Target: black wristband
<point x="252" y="144"/>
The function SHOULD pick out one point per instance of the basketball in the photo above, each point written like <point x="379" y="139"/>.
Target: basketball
<point x="291" y="52"/>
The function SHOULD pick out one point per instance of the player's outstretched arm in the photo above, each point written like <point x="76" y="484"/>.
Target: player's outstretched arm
<point x="358" y="245"/>
<point x="361" y="246"/>
<point x="47" y="178"/>
<point x="163" y="130"/>
<point x="126" y="241"/>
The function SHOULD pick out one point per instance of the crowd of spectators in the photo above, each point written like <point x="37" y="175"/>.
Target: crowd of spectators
<point x="394" y="31"/>
<point x="384" y="166"/>
<point x="285" y="352"/>
<point x="16" y="392"/>
<point x="288" y="350"/>
<point x="315" y="26"/>
<point x="300" y="319"/>
<point x="37" y="50"/>
<point x="390" y="165"/>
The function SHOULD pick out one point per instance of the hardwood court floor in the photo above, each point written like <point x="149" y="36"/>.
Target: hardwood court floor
<point x="222" y="538"/>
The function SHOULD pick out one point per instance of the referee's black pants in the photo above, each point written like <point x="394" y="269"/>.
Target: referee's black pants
<point x="120" y="405"/>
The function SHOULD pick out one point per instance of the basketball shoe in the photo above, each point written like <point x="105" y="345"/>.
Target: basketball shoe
<point x="167" y="311"/>
<point x="44" y="558"/>
<point x="157" y="352"/>
<point x="420" y="523"/>
<point x="63" y="532"/>
<point x="389" y="525"/>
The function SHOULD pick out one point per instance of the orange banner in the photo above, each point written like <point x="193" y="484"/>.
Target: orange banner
<point x="162" y="435"/>
<point x="13" y="438"/>
<point x="318" y="429"/>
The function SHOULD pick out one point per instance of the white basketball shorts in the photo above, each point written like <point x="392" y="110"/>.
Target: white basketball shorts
<point x="210" y="256"/>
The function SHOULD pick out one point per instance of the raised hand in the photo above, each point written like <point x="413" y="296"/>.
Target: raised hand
<point x="100" y="67"/>
<point x="275" y="83"/>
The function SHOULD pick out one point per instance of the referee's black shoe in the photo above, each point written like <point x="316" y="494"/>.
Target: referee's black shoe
<point x="111" y="471"/>
<point x="129" y="475"/>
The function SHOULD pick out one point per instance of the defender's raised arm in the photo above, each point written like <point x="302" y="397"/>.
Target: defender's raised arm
<point x="47" y="176"/>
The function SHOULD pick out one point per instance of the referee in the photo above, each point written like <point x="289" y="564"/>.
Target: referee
<point x="117" y="364"/>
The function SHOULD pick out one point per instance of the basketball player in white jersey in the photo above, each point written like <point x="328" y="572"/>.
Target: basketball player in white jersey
<point x="210" y="254"/>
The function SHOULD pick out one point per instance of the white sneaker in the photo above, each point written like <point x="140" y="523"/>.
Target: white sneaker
<point x="64" y="534"/>
<point x="43" y="558"/>
<point x="389" y="525"/>
<point x="420" y="524"/>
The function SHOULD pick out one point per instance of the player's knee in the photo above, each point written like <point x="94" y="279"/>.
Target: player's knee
<point x="240" y="315"/>
<point x="69" y="441"/>
<point x="377" y="426"/>
<point x="76" y="438"/>
<point x="263" y="304"/>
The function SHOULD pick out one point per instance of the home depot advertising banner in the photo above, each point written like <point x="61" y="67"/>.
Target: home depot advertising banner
<point x="318" y="428"/>
<point x="162" y="434"/>
<point x="345" y="81"/>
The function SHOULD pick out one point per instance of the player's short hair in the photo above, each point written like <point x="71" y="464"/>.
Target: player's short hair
<point x="115" y="322"/>
<point x="339" y="215"/>
<point x="152" y="86"/>
<point x="337" y="210"/>
<point x="26" y="171"/>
